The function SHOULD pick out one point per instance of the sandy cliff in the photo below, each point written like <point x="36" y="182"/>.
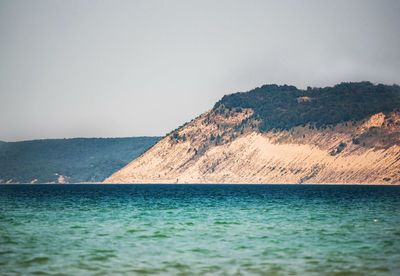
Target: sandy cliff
<point x="213" y="149"/>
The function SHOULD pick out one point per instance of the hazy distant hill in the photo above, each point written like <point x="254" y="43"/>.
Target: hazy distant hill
<point x="348" y="133"/>
<point x="68" y="160"/>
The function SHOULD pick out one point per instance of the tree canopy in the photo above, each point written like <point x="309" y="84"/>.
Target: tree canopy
<point x="285" y="106"/>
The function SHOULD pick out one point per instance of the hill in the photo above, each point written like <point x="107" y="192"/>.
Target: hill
<point x="68" y="160"/>
<point x="348" y="133"/>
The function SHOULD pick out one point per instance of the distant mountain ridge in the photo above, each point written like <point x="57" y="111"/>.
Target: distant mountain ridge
<point x="73" y="160"/>
<point x="348" y="134"/>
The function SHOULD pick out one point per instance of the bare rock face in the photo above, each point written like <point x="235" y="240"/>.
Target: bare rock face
<point x="227" y="147"/>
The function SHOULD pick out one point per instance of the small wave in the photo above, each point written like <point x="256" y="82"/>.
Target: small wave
<point x="37" y="260"/>
<point x="101" y="258"/>
<point x="104" y="251"/>
<point x="155" y="235"/>
<point x="76" y="227"/>
<point x="200" y="250"/>
<point x="226" y="222"/>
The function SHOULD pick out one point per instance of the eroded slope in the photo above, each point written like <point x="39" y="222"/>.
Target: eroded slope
<point x="227" y="147"/>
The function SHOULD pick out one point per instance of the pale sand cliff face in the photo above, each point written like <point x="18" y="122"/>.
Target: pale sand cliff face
<point x="213" y="151"/>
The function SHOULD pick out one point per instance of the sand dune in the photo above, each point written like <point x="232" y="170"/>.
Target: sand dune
<point x="211" y="150"/>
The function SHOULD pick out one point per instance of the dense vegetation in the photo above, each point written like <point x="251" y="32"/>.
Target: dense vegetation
<point x="80" y="159"/>
<point x="283" y="107"/>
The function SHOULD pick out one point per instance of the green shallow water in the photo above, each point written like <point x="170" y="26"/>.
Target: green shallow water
<point x="199" y="229"/>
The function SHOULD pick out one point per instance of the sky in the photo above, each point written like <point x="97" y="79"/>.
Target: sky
<point x="142" y="68"/>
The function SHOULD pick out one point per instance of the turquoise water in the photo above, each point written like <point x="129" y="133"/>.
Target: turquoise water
<point x="199" y="229"/>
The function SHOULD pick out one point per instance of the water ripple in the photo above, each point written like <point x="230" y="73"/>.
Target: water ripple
<point x="199" y="230"/>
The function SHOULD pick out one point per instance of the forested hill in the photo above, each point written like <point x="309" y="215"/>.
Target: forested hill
<point x="283" y="107"/>
<point x="68" y="160"/>
<point x="347" y="134"/>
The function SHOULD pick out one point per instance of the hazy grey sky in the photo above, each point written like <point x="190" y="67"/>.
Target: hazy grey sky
<point x="129" y="68"/>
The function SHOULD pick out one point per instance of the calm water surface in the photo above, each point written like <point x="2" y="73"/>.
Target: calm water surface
<point x="199" y="229"/>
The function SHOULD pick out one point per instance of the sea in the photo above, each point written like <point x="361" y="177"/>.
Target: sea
<point x="199" y="230"/>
